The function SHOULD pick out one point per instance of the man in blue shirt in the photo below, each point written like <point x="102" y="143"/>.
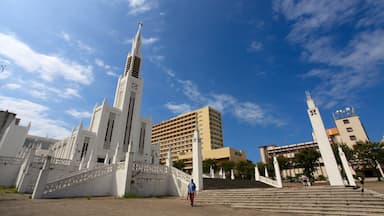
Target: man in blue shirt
<point x="191" y="191"/>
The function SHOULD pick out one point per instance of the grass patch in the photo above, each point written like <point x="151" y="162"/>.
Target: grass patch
<point x="7" y="190"/>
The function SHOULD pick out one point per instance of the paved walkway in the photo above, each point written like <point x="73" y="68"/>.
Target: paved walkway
<point x="21" y="205"/>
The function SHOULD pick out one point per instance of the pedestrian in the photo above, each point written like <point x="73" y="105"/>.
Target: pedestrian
<point x="191" y="191"/>
<point x="362" y="183"/>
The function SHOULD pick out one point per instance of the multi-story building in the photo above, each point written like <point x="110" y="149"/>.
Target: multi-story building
<point x="348" y="130"/>
<point x="176" y="133"/>
<point x="349" y="126"/>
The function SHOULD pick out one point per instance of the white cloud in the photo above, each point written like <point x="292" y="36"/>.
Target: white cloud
<point x="29" y="111"/>
<point x="178" y="108"/>
<point x="244" y="111"/>
<point x="76" y="43"/>
<point x="140" y="6"/>
<point x="345" y="70"/>
<point x="70" y="93"/>
<point x="48" y="67"/>
<point x="106" y="67"/>
<point x="12" y="86"/>
<point x="5" y="74"/>
<point x="148" y="41"/>
<point x="113" y="74"/>
<point x="144" y="40"/>
<point x="78" y="114"/>
<point x="255" y="46"/>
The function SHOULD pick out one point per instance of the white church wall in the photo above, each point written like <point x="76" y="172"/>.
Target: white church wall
<point x="13" y="139"/>
<point x="9" y="168"/>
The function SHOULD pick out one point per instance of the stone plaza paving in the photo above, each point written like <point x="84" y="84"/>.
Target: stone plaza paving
<point x="21" y="205"/>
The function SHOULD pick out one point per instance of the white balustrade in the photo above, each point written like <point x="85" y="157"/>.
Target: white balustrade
<point x="150" y="168"/>
<point x="60" y="161"/>
<point x="269" y="181"/>
<point x="181" y="175"/>
<point x="120" y="165"/>
<point x="10" y="160"/>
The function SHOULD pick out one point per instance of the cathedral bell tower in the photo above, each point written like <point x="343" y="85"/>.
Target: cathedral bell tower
<point x="128" y="97"/>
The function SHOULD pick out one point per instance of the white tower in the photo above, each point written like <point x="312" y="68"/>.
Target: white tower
<point x="128" y="97"/>
<point x="323" y="143"/>
<point x="197" y="164"/>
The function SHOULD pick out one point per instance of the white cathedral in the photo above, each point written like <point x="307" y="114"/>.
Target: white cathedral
<point x="114" y="129"/>
<point x="113" y="157"/>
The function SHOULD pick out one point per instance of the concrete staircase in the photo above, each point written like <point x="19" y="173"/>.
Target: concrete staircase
<point x="216" y="183"/>
<point x="317" y="200"/>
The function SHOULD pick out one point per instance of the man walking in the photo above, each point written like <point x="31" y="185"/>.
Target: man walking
<point x="191" y="191"/>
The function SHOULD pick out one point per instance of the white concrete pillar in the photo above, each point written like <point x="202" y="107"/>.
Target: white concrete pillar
<point x="326" y="152"/>
<point x="277" y="172"/>
<point x="169" y="162"/>
<point x="380" y="169"/>
<point x="106" y="159"/>
<point x="128" y="169"/>
<point x="232" y="175"/>
<point x="257" y="173"/>
<point x="90" y="160"/>
<point x="81" y="165"/>
<point x="114" y="159"/>
<point x="346" y="167"/>
<point x="42" y="178"/>
<point x="212" y="172"/>
<point x="266" y="171"/>
<point x="197" y="164"/>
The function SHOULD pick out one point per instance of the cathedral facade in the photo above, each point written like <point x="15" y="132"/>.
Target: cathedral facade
<point x="114" y="130"/>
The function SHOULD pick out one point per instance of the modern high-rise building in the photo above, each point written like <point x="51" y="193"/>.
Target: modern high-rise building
<point x="176" y="133"/>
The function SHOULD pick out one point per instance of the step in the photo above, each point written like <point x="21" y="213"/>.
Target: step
<point x="316" y="210"/>
<point x="378" y="208"/>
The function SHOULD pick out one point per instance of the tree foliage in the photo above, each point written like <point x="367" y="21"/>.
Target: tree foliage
<point x="179" y="164"/>
<point x="307" y="159"/>
<point x="207" y="163"/>
<point x="369" y="153"/>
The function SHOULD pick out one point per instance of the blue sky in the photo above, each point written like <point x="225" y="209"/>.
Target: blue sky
<point x="252" y="60"/>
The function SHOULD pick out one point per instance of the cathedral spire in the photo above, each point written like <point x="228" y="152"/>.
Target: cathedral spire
<point x="132" y="65"/>
<point x="136" y="43"/>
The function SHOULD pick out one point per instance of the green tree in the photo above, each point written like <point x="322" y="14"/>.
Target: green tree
<point x="245" y="169"/>
<point x="207" y="163"/>
<point x="261" y="167"/>
<point x="369" y="153"/>
<point x="307" y="159"/>
<point x="179" y="164"/>
<point x="227" y="166"/>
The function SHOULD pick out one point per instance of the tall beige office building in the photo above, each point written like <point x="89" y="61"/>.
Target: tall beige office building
<point x="176" y="133"/>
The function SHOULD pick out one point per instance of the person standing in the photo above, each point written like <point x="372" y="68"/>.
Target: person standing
<point x="191" y="191"/>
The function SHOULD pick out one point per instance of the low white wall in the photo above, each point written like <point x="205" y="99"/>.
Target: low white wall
<point x="177" y="187"/>
<point x="8" y="173"/>
<point x="150" y="185"/>
<point x="100" y="186"/>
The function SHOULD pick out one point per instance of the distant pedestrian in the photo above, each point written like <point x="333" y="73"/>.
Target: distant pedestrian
<point x="362" y="183"/>
<point x="305" y="180"/>
<point x="191" y="191"/>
